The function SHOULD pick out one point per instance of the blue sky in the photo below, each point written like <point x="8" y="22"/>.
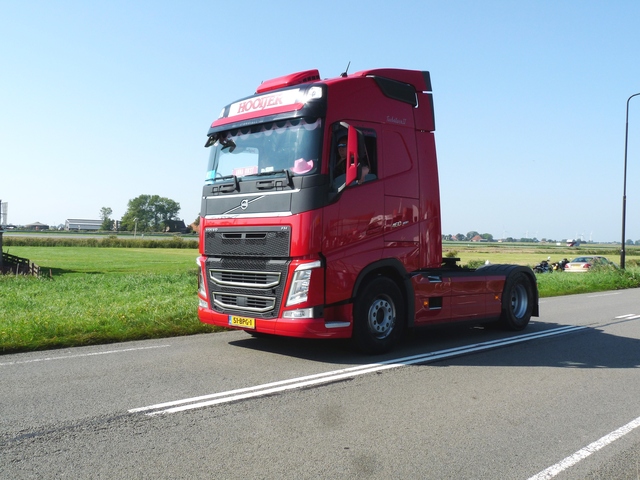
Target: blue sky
<point x="101" y="102"/>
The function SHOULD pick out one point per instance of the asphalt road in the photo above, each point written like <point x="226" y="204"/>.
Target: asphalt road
<point x="559" y="400"/>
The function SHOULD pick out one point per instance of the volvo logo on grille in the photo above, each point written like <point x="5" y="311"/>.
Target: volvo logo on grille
<point x="244" y="204"/>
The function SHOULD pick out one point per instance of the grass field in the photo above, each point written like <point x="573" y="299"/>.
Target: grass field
<point x="531" y="254"/>
<point x="100" y="295"/>
<point x="108" y="261"/>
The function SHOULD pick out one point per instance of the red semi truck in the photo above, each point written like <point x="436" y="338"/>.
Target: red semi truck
<point x="320" y="217"/>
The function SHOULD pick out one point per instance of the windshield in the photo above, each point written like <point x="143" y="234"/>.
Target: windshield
<point x="266" y="149"/>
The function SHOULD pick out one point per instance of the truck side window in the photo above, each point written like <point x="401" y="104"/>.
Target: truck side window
<point x="371" y="156"/>
<point x="368" y="157"/>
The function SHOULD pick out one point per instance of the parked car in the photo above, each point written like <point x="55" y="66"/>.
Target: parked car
<point x="583" y="264"/>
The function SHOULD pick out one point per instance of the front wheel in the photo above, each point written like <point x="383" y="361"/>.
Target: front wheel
<point x="379" y="316"/>
<point x="517" y="302"/>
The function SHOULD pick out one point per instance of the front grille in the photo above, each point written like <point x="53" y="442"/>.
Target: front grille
<point x="242" y="286"/>
<point x="270" y="242"/>
<point x="235" y="278"/>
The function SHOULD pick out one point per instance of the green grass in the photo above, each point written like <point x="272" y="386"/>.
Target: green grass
<point x="92" y="296"/>
<point x="100" y="295"/>
<point x="531" y="254"/>
<point x="108" y="261"/>
<point x="561" y="283"/>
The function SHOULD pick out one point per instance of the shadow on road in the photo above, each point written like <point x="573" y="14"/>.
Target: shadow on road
<point x="585" y="348"/>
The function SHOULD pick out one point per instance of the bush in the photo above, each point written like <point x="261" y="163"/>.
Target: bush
<point x="111" y="241"/>
<point x="475" y="263"/>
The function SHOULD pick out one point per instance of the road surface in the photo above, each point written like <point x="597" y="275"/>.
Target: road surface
<point x="559" y="400"/>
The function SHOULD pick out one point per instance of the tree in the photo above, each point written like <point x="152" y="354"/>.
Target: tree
<point x="471" y="234"/>
<point x="105" y="216"/>
<point x="149" y="212"/>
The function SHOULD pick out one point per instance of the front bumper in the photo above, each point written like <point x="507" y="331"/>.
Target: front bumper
<point x="288" y="327"/>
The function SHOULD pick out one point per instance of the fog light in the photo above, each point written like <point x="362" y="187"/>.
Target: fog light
<point x="301" y="313"/>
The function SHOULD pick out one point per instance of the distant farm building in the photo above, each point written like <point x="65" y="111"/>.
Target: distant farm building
<point x="37" y="226"/>
<point x="175" y="226"/>
<point x="79" y="224"/>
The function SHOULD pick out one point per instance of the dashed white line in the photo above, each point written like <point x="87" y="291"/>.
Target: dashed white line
<point x="65" y="357"/>
<point x="337" y="375"/>
<point x="571" y="460"/>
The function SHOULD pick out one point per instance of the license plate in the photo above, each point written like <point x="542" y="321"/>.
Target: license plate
<point x="243" y="322"/>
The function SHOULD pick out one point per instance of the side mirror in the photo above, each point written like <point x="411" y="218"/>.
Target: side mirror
<point x="352" y="155"/>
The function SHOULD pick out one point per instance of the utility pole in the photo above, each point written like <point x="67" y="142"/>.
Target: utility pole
<point x="624" y="191"/>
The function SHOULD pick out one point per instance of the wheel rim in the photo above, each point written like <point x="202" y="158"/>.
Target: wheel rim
<point x="519" y="301"/>
<point x="382" y="317"/>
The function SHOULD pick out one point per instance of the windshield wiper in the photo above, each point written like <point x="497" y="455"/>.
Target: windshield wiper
<point x="226" y="187"/>
<point x="226" y="177"/>
<point x="269" y="183"/>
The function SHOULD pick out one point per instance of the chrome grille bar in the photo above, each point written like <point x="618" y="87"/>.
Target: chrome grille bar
<point x="249" y="303"/>
<point x="245" y="279"/>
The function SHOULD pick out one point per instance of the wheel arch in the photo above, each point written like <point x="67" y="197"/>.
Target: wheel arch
<point x="510" y="270"/>
<point x="393" y="269"/>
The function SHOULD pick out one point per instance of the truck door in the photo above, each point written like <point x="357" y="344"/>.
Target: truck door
<point x="353" y="223"/>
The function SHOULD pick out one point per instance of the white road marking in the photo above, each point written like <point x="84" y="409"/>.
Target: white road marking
<point x="65" y="357"/>
<point x="603" y="295"/>
<point x="336" y="375"/>
<point x="629" y="316"/>
<point x="554" y="470"/>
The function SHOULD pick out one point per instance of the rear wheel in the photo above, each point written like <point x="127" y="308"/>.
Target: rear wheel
<point x="379" y="316"/>
<point x="517" y="302"/>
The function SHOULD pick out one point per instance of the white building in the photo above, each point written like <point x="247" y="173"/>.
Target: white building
<point x="79" y="224"/>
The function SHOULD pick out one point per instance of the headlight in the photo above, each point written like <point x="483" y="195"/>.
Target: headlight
<point x="299" y="290"/>
<point x="202" y="288"/>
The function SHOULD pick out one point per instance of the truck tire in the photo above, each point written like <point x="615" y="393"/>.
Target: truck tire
<point x="517" y="302"/>
<point x="379" y="316"/>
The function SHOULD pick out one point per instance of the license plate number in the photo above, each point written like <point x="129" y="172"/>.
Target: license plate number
<point x="243" y="322"/>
